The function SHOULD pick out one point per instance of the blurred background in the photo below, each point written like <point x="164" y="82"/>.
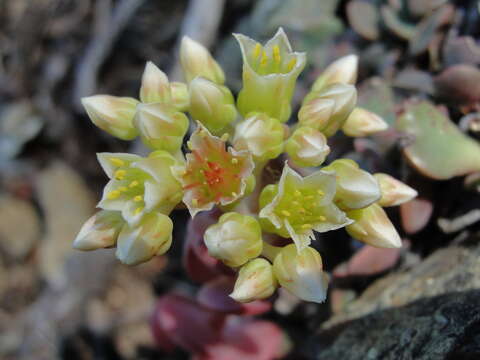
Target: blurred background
<point x="418" y="60"/>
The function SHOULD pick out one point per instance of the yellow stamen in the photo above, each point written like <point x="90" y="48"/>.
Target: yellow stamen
<point x="306" y="226"/>
<point x="302" y="211"/>
<point x="291" y="64"/>
<point x="295" y="202"/>
<point x="224" y="137"/>
<point x="234" y="194"/>
<point x="297" y="193"/>
<point x="276" y="54"/>
<point x="123" y="188"/>
<point x="138" y="198"/>
<point x="320" y="192"/>
<point x="189" y="144"/>
<point x="138" y="210"/>
<point x="120" y="174"/>
<point x="194" y="202"/>
<point x="264" y="59"/>
<point x="322" y="218"/>
<point x="234" y="161"/>
<point x="257" y="50"/>
<point x="117" y="162"/>
<point x="112" y="195"/>
<point x="133" y="184"/>
<point x="285" y="213"/>
<point x="309" y="197"/>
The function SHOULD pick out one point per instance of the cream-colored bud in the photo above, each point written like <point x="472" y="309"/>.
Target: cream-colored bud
<point x="300" y="272"/>
<point x="255" y="281"/>
<point x="155" y="86"/>
<point x="235" y="239"/>
<point x="394" y="192"/>
<point x="211" y="104"/>
<point x="161" y="126"/>
<point x="355" y="188"/>
<point x="343" y="70"/>
<point x="261" y="135"/>
<point x="362" y="122"/>
<point x="100" y="231"/>
<point x="196" y="60"/>
<point x="112" y="114"/>
<point x="153" y="236"/>
<point x="307" y="147"/>
<point x="180" y="96"/>
<point x="373" y="227"/>
<point x="328" y="109"/>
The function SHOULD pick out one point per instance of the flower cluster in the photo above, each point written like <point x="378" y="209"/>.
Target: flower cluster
<point x="228" y="167"/>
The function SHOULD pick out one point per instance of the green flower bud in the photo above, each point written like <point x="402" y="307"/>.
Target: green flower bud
<point x="152" y="236"/>
<point x="112" y="114"/>
<point x="269" y="76"/>
<point x="300" y="205"/>
<point x="100" y="231"/>
<point x="180" y="96"/>
<point x="196" y="60"/>
<point x="373" y="227"/>
<point x="328" y="109"/>
<point x="300" y="272"/>
<point x="155" y="86"/>
<point x="211" y="104"/>
<point x="394" y="192"/>
<point x="139" y="185"/>
<point x="362" y="122"/>
<point x="261" y="135"/>
<point x="161" y="126"/>
<point x="235" y="239"/>
<point x="356" y="188"/>
<point x="255" y="281"/>
<point x="343" y="70"/>
<point x="307" y="147"/>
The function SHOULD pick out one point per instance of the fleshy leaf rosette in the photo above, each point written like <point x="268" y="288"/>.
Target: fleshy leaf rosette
<point x="298" y="205"/>
<point x="212" y="174"/>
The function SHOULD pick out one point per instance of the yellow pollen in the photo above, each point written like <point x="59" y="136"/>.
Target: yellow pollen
<point x="194" y="202"/>
<point x="120" y="174"/>
<point x="234" y="161"/>
<point x="117" y="162"/>
<point x="133" y="184"/>
<point x="295" y="202"/>
<point x="112" y="195"/>
<point x="234" y="194"/>
<point x="123" y="188"/>
<point x="297" y="193"/>
<point x="309" y="197"/>
<point x="291" y="64"/>
<point x="257" y="50"/>
<point x="276" y="53"/>
<point x="306" y="226"/>
<point x="138" y="210"/>
<point x="285" y="213"/>
<point x="138" y="198"/>
<point x="320" y="192"/>
<point x="264" y="59"/>
<point x="322" y="218"/>
<point x="224" y="137"/>
<point x="302" y="211"/>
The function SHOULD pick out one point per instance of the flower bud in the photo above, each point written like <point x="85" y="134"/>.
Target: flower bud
<point x="196" y="60"/>
<point x="261" y="135"/>
<point x="269" y="76"/>
<point x="307" y="147"/>
<point x="394" y="192"/>
<point x="255" y="281"/>
<point x="235" y="239"/>
<point x="212" y="105"/>
<point x="100" y="231"/>
<point x="152" y="236"/>
<point x="373" y="227"/>
<point x="362" y="122"/>
<point x="327" y="110"/>
<point x="343" y="70"/>
<point x="112" y="114"/>
<point x="355" y="188"/>
<point x="180" y="96"/>
<point x="155" y="87"/>
<point x="300" y="272"/>
<point x="161" y="126"/>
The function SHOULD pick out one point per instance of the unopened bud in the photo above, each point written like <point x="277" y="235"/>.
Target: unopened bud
<point x="180" y="96"/>
<point x="328" y="109"/>
<point x="155" y="86"/>
<point x="235" y="239"/>
<point x="343" y="70"/>
<point x="100" y="231"/>
<point x="307" y="147"/>
<point x="196" y="60"/>
<point x="261" y="135"/>
<point x="211" y="104"/>
<point x="255" y="281"/>
<point x="373" y="227"/>
<point x="161" y="126"/>
<point x="152" y="236"/>
<point x="300" y="272"/>
<point x="355" y="188"/>
<point x="362" y="122"/>
<point x="112" y="114"/>
<point x="394" y="192"/>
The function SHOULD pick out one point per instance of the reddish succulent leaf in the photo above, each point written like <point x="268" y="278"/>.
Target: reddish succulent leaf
<point x="460" y="50"/>
<point x="178" y="320"/>
<point x="459" y="84"/>
<point x="415" y="214"/>
<point x="214" y="295"/>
